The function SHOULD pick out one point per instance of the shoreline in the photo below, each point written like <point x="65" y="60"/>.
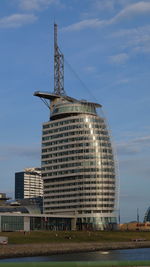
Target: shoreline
<point x="47" y="249"/>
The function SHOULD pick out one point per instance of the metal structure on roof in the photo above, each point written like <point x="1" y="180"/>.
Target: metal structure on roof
<point x="59" y="92"/>
<point x="58" y="67"/>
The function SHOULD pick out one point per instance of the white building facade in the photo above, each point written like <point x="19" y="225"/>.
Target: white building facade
<point x="78" y="167"/>
<point x="29" y="183"/>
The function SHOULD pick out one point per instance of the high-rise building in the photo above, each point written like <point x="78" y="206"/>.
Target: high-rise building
<point x="28" y="183"/>
<point x="78" y="167"/>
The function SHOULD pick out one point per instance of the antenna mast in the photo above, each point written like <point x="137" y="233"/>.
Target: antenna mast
<point x="58" y="67"/>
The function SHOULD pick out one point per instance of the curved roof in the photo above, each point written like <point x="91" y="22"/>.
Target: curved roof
<point x="52" y="96"/>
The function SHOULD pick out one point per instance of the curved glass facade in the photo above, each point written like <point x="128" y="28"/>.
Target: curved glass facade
<point x="73" y="108"/>
<point x="78" y="167"/>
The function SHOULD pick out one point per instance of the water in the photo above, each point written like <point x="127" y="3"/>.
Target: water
<point x="113" y="255"/>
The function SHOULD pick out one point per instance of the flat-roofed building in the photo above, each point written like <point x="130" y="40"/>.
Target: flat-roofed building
<point x="28" y="183"/>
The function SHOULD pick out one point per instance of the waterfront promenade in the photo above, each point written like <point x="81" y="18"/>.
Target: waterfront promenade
<point x="40" y="243"/>
<point x="24" y="250"/>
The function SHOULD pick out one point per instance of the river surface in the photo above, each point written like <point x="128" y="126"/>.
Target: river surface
<point x="113" y="255"/>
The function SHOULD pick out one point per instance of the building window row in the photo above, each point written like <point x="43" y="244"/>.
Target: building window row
<point x="109" y="178"/>
<point x="78" y="129"/>
<point x="57" y="136"/>
<point x="74" y="108"/>
<point x="79" y="151"/>
<point x="80" y="189"/>
<point x="80" y="157"/>
<point x="74" y="120"/>
<point x="76" y="151"/>
<point x="78" y="183"/>
<point x="78" y="195"/>
<point x="79" y="138"/>
<point x="94" y="211"/>
<point x="80" y="200"/>
<point x="56" y="173"/>
<point x="81" y="206"/>
<point x="77" y="164"/>
<point x="88" y="211"/>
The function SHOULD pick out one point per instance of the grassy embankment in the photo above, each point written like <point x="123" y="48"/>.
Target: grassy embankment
<point x="66" y="237"/>
<point x="79" y="264"/>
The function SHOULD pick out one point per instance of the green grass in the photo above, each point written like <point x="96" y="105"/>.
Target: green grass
<point x="78" y="264"/>
<point x="80" y="236"/>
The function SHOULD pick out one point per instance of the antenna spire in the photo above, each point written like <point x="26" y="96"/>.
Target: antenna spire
<point x="58" y="67"/>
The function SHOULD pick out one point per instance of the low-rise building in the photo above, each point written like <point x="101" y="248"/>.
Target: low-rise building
<point x="135" y="226"/>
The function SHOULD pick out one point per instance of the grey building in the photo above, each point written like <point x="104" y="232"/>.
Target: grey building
<point x="28" y="183"/>
<point x="78" y="167"/>
<point x="27" y="218"/>
<point x="3" y="198"/>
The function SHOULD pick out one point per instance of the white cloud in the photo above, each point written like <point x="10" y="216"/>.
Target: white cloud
<point x="142" y="49"/>
<point x="119" y="58"/>
<point x="139" y="8"/>
<point x="10" y="152"/>
<point x="88" y="23"/>
<point x="123" y="81"/>
<point x="129" y="11"/>
<point x="142" y="140"/>
<point x="109" y="6"/>
<point x="127" y="149"/>
<point x="104" y="4"/>
<point x="36" y="4"/>
<point x="138" y="32"/>
<point x="17" y="20"/>
<point x="89" y="69"/>
<point x="3" y="158"/>
<point x="134" y="146"/>
<point x="138" y="38"/>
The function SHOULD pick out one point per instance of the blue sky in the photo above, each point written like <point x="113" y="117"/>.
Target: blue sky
<point x="107" y="43"/>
